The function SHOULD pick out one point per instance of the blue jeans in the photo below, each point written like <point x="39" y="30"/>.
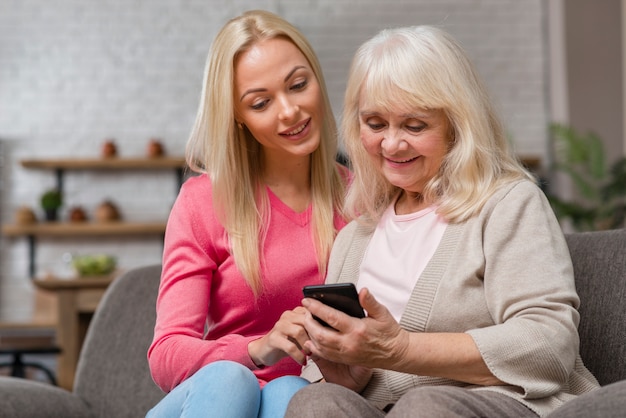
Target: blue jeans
<point x="227" y="389"/>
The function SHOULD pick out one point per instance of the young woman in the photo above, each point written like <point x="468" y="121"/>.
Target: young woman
<point x="251" y="230"/>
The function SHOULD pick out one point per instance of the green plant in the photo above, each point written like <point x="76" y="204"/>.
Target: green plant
<point x="600" y="198"/>
<point x="51" y="200"/>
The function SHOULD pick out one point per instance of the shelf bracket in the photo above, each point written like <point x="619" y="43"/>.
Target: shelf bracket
<point x="180" y="177"/>
<point x="31" y="256"/>
<point x="59" y="178"/>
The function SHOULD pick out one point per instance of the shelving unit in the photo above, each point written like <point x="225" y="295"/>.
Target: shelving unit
<point x="93" y="229"/>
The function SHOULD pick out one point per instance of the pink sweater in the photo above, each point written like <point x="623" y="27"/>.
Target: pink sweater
<point x="201" y="287"/>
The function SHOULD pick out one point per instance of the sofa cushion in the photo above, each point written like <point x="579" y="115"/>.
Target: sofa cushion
<point x="599" y="260"/>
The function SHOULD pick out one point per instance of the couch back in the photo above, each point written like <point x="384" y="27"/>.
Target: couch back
<point x="600" y="272"/>
<point x="112" y="374"/>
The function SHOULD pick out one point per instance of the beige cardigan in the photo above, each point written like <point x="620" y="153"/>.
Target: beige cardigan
<point x="505" y="277"/>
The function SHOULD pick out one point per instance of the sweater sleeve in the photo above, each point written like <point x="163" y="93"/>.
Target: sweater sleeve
<point x="190" y="258"/>
<point x="530" y="292"/>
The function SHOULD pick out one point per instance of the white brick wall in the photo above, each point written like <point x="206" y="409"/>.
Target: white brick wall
<point x="74" y="72"/>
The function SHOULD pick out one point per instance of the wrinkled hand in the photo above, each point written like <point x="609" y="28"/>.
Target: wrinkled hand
<point x="371" y="342"/>
<point x="352" y="377"/>
<point x="286" y="338"/>
<point x="378" y="341"/>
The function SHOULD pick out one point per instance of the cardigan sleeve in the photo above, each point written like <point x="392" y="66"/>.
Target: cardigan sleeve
<point x="530" y="292"/>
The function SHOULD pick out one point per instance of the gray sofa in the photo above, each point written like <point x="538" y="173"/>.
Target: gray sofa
<point x="113" y="378"/>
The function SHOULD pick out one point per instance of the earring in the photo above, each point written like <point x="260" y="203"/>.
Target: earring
<point x="240" y="125"/>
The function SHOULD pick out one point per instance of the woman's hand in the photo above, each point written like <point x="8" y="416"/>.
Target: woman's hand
<point x="378" y="341"/>
<point x="368" y="342"/>
<point x="286" y="338"/>
<point x="352" y="377"/>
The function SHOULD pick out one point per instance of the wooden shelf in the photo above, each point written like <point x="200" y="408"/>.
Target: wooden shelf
<point x="76" y="283"/>
<point x="84" y="228"/>
<point x="157" y="163"/>
<point x="61" y="165"/>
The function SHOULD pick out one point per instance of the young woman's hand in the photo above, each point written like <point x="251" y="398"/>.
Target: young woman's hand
<point x="286" y="338"/>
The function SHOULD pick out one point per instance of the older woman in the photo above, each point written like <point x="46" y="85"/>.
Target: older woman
<point x="462" y="267"/>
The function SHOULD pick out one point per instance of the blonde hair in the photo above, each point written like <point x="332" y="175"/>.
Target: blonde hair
<point x="230" y="155"/>
<point x="424" y="67"/>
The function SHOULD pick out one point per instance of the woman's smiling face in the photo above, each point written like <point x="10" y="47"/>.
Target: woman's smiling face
<point x="278" y="98"/>
<point x="407" y="145"/>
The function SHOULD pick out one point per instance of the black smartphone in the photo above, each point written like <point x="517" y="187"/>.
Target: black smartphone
<point x="341" y="296"/>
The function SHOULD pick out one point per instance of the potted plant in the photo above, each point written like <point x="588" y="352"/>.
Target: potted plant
<point x="600" y="189"/>
<point x="51" y="201"/>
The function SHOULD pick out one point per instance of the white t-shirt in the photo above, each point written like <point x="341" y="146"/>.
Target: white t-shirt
<point x="400" y="249"/>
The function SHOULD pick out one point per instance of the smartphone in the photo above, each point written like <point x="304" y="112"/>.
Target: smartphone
<point x="341" y="296"/>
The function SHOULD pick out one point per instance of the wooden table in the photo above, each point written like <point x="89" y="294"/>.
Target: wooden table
<point x="77" y="301"/>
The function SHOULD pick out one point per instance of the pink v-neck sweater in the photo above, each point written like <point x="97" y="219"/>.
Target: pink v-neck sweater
<point x="205" y="310"/>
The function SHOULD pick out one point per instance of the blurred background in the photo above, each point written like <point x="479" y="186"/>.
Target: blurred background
<point x="75" y="74"/>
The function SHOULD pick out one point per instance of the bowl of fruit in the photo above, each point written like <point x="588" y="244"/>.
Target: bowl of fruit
<point x="94" y="264"/>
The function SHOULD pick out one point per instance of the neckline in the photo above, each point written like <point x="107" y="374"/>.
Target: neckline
<point x="300" y="218"/>
<point x="410" y="216"/>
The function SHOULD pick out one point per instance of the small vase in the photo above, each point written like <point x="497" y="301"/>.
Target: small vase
<point x="52" y="215"/>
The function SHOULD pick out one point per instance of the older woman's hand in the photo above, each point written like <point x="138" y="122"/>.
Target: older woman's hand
<point x="371" y="342"/>
<point x="352" y="377"/>
<point x="378" y="341"/>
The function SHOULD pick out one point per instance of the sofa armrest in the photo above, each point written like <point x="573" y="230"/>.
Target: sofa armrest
<point x="28" y="398"/>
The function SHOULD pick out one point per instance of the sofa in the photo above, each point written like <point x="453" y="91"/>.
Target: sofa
<point x="112" y="376"/>
<point x="113" y="379"/>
